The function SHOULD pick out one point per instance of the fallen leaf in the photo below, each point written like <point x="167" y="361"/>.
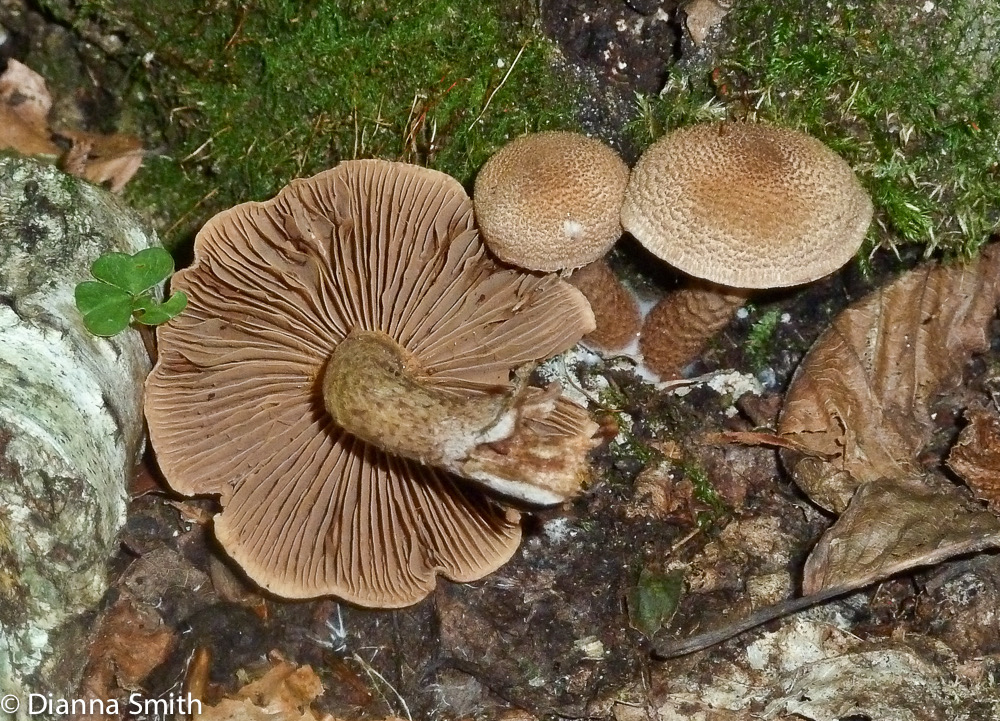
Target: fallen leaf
<point x="858" y="405"/>
<point x="975" y="457"/>
<point x="131" y="641"/>
<point x="654" y="600"/>
<point x="24" y="105"/>
<point x="893" y="525"/>
<point x="111" y="159"/>
<point x="284" y="693"/>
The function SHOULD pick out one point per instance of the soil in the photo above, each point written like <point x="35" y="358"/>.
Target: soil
<point x="621" y="48"/>
<point x="551" y="632"/>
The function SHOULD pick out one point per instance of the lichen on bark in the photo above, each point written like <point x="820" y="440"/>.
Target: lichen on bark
<point x="70" y="421"/>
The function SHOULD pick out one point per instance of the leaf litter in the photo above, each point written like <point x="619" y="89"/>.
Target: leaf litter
<point x="857" y="417"/>
<point x="864" y="394"/>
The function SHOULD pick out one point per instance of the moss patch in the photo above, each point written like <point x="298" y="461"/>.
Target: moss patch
<point x="247" y="96"/>
<point x="907" y="92"/>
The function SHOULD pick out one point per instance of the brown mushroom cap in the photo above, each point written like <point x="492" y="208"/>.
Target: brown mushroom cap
<point x="551" y="201"/>
<point x="235" y="404"/>
<point x="747" y="206"/>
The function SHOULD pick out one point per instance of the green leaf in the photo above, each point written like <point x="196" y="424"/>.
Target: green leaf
<point x="134" y="273"/>
<point x="151" y="312"/>
<point x="106" y="310"/>
<point x="654" y="600"/>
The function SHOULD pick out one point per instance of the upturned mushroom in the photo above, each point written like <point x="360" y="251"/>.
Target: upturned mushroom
<point x="551" y="201"/>
<point x="740" y="206"/>
<point x="341" y="379"/>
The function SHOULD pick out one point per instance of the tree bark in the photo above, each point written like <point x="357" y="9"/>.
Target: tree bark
<point x="71" y="427"/>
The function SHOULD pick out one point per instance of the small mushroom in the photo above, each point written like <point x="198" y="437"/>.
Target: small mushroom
<point x="347" y="349"/>
<point x="551" y="201"/>
<point x="742" y="206"/>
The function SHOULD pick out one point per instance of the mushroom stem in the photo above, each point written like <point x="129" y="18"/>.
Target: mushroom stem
<point x="616" y="310"/>
<point x="373" y="390"/>
<point x="520" y="442"/>
<point x="679" y="327"/>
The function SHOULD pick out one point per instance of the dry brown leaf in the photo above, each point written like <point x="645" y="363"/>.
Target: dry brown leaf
<point x="24" y="105"/>
<point x="893" y="525"/>
<point x="284" y="693"/>
<point x="111" y="159"/>
<point x="862" y="394"/>
<point x="975" y="457"/>
<point x="131" y="641"/>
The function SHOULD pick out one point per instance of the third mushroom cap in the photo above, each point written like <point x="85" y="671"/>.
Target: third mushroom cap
<point x="737" y="206"/>
<point x="347" y="349"/>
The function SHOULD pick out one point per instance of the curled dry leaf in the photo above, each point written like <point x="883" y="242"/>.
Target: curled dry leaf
<point x="975" y="457"/>
<point x="24" y="107"/>
<point x="131" y="641"/>
<point x="284" y="693"/>
<point x="855" y="419"/>
<point x="861" y="396"/>
<point x="892" y="525"/>
<point x="111" y="159"/>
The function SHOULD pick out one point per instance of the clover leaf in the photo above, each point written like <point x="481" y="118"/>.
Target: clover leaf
<point x="123" y="291"/>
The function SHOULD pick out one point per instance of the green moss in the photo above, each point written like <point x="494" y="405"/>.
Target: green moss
<point x="760" y="339"/>
<point x="251" y="95"/>
<point x="908" y="96"/>
<point x="705" y="493"/>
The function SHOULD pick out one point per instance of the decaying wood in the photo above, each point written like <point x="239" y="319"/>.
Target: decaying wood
<point x="70" y="421"/>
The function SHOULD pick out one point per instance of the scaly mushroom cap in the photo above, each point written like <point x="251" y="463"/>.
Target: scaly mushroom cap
<point x="235" y="404"/>
<point x="551" y="201"/>
<point x="747" y="206"/>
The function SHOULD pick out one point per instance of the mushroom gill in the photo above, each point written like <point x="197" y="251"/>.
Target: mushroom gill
<point x="375" y="263"/>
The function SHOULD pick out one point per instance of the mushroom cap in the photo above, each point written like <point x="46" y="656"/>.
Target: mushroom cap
<point x="551" y="201"/>
<point x="745" y="205"/>
<point x="235" y="403"/>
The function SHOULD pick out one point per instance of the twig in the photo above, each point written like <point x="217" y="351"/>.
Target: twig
<point x="497" y="88"/>
<point x="373" y="674"/>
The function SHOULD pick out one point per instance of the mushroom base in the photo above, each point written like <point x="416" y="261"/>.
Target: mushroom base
<point x="680" y="326"/>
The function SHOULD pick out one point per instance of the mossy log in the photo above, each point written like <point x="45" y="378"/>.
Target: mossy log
<point x="71" y="427"/>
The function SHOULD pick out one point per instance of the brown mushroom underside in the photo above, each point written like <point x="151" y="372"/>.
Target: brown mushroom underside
<point x="235" y="403"/>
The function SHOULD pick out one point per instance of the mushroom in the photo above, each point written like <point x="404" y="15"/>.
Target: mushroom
<point x="552" y="201"/>
<point x="616" y="310"/>
<point x="346" y="350"/>
<point x="741" y="206"/>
